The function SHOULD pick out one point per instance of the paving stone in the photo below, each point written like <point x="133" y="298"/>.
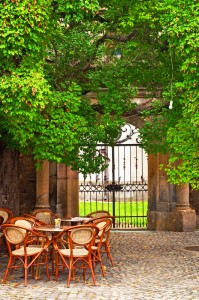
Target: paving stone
<point x="148" y="265"/>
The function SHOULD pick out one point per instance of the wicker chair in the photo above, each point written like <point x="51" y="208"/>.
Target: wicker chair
<point x="28" y="224"/>
<point x="23" y="222"/>
<point x="78" y="253"/>
<point x="6" y="214"/>
<point x="1" y="233"/>
<point x="98" y="213"/>
<point x="1" y="220"/>
<point x="102" y="224"/>
<point x="103" y="241"/>
<point x="45" y="215"/>
<point x="34" y="219"/>
<point x="27" y="256"/>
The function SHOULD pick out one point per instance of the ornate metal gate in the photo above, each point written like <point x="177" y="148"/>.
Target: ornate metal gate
<point x="122" y="188"/>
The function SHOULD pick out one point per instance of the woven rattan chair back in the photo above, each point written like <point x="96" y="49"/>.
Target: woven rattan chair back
<point x="45" y="216"/>
<point x="15" y="236"/>
<point x="36" y="221"/>
<point x="23" y="222"/>
<point x="6" y="214"/>
<point x="98" y="213"/>
<point x="81" y="236"/>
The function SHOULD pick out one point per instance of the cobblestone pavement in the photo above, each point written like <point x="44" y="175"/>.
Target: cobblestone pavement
<point x="148" y="265"/>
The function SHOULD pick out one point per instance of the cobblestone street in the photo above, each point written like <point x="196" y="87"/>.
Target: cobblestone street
<point x="148" y="265"/>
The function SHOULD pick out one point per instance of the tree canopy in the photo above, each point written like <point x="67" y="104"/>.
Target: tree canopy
<point x="175" y="130"/>
<point x="54" y="52"/>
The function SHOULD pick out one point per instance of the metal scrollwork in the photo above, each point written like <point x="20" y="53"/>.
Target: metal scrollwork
<point x="126" y="133"/>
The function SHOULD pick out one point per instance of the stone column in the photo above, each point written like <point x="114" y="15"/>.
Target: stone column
<point x="61" y="189"/>
<point x="182" y="197"/>
<point x="185" y="217"/>
<point x="152" y="182"/>
<point x="159" y="191"/>
<point x="152" y="191"/>
<point x="72" y="193"/>
<point x="42" y="186"/>
<point x="168" y="208"/>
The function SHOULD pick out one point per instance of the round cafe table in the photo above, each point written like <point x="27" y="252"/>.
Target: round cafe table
<point x="75" y="220"/>
<point x="50" y="228"/>
<point x="47" y="229"/>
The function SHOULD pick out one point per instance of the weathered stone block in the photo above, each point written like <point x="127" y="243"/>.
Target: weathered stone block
<point x="179" y="220"/>
<point x="185" y="220"/>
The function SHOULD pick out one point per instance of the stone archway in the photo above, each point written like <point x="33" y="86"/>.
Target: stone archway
<point x="168" y="205"/>
<point x="168" y="208"/>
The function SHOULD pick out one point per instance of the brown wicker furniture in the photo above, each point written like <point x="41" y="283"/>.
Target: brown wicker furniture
<point x="23" y="221"/>
<point x="104" y="241"/>
<point x="1" y="220"/>
<point x="6" y="214"/>
<point x="98" y="213"/>
<point x="45" y="215"/>
<point x="27" y="223"/>
<point x="34" y="219"/>
<point x="28" y="257"/>
<point x="50" y="231"/>
<point x="1" y="233"/>
<point x="102" y="224"/>
<point x="74" y="250"/>
<point x="74" y="221"/>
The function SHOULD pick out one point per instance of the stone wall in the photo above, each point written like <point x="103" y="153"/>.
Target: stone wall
<point x="17" y="181"/>
<point x="27" y="184"/>
<point x="194" y="203"/>
<point x="9" y="179"/>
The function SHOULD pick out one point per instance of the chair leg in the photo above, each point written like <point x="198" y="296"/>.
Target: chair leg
<point x="97" y="256"/>
<point x="56" y="266"/>
<point x="25" y="271"/>
<point x="84" y="272"/>
<point x="33" y="271"/>
<point x="47" y="269"/>
<point x="69" y="272"/>
<point x="107" y="248"/>
<point x="100" y="261"/>
<point x="52" y="255"/>
<point x="7" y="269"/>
<point x="92" y="271"/>
<point x="25" y="276"/>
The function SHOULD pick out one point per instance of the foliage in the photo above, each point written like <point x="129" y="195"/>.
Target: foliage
<point x="176" y="130"/>
<point x="48" y="50"/>
<point x="54" y="54"/>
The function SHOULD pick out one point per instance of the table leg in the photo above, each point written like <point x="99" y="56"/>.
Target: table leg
<point x="37" y="271"/>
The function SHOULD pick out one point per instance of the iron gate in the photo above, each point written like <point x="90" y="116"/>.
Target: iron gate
<point x="122" y="188"/>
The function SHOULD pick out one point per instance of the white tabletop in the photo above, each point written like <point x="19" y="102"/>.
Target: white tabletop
<point x="76" y="219"/>
<point x="50" y="228"/>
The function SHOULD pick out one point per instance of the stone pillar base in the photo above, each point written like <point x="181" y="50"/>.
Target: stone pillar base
<point x="47" y="207"/>
<point x="179" y="220"/>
